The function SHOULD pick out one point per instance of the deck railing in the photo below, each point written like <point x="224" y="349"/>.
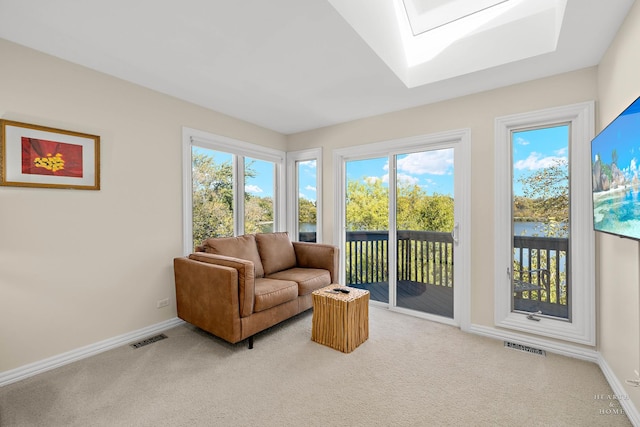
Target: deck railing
<point x="427" y="257"/>
<point x="423" y="257"/>
<point x="543" y="264"/>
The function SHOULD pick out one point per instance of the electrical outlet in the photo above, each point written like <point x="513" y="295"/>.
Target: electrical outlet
<point x="162" y="303"/>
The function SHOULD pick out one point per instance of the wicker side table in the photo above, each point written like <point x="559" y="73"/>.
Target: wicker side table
<point x="340" y="321"/>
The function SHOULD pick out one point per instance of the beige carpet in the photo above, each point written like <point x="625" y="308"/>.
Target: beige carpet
<point x="411" y="372"/>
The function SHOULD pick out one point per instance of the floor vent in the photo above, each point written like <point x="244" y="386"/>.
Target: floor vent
<point x="525" y="348"/>
<point x="149" y="341"/>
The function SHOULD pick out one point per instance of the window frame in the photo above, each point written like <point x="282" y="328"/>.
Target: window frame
<point x="581" y="328"/>
<point x="292" y="190"/>
<point x="239" y="150"/>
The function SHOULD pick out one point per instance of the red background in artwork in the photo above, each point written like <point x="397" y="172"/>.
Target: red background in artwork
<point x="33" y="148"/>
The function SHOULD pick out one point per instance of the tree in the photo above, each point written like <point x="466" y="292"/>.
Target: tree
<point x="548" y="188"/>
<point x="212" y="198"/>
<point x="307" y="211"/>
<point x="367" y="205"/>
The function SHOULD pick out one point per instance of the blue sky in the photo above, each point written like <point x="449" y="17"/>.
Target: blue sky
<point x="431" y="170"/>
<point x="622" y="134"/>
<point x="262" y="184"/>
<point x="537" y="149"/>
<point x="307" y="180"/>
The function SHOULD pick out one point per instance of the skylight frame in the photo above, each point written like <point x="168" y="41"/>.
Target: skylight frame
<point x="423" y="18"/>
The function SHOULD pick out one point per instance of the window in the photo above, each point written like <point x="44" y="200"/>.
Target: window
<point x="305" y="194"/>
<point x="214" y="204"/>
<point x="544" y="235"/>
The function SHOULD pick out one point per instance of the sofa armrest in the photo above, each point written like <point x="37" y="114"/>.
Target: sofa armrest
<point x="318" y="255"/>
<point x="207" y="297"/>
<point x="246" y="277"/>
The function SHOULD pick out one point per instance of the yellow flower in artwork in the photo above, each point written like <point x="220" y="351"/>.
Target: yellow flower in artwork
<point x="51" y="162"/>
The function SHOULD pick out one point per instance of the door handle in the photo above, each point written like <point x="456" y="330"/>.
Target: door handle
<point x="454" y="233"/>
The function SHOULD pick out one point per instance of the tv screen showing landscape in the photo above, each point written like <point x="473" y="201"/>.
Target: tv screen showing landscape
<point x="615" y="153"/>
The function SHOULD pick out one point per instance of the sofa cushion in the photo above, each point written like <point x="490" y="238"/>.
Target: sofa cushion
<point x="308" y="279"/>
<point x="276" y="251"/>
<point x="243" y="247"/>
<point x="271" y="292"/>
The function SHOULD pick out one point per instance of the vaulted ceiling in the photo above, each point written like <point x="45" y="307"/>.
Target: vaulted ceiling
<point x="295" y="65"/>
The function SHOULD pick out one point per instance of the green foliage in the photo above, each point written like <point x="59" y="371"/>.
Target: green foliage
<point x="307" y="211"/>
<point x="368" y="208"/>
<point x="213" y="200"/>
<point x="258" y="214"/>
<point x="547" y="201"/>
<point x="547" y="191"/>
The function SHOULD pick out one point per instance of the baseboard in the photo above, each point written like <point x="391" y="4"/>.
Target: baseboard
<point x="564" y="349"/>
<point x="32" y="369"/>
<point x="620" y="393"/>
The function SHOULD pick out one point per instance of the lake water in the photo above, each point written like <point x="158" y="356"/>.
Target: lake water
<point x="529" y="229"/>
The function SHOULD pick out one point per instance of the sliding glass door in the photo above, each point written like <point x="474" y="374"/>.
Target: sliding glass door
<point x="425" y="230"/>
<point x="367" y="227"/>
<point x="400" y="229"/>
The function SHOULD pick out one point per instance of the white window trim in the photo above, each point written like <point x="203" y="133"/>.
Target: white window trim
<point x="462" y="216"/>
<point x="581" y="329"/>
<point x="191" y="137"/>
<point x="292" y="190"/>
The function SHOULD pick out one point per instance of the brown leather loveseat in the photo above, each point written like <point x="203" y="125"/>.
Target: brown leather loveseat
<point x="235" y="287"/>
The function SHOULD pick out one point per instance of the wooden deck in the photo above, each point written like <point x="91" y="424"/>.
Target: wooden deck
<point x="431" y="299"/>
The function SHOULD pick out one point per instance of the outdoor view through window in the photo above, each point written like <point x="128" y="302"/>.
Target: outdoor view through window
<point x="541" y="227"/>
<point x="423" y="209"/>
<point x="214" y="194"/>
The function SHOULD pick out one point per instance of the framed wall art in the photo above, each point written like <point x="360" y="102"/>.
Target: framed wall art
<point x="38" y="156"/>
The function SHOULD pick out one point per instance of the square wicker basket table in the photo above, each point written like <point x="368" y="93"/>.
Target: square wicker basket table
<point x="340" y="321"/>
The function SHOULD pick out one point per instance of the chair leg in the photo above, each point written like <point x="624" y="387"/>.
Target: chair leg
<point x="250" y="342"/>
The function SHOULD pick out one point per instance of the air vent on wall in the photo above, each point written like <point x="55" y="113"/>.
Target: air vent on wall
<point x="149" y="341"/>
<point x="525" y="348"/>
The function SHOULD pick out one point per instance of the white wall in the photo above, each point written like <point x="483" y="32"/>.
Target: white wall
<point x="477" y="112"/>
<point x="618" y="260"/>
<point x="78" y="267"/>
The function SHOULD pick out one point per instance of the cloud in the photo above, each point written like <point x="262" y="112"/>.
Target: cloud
<point x="436" y="162"/>
<point x="402" y="178"/>
<point x="374" y="179"/>
<point x="310" y="188"/>
<point x="521" y="141"/>
<point x="407" y="179"/>
<point x="536" y="161"/>
<point x="252" y="189"/>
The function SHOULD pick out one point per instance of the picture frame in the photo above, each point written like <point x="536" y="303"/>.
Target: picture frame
<point x="39" y="156"/>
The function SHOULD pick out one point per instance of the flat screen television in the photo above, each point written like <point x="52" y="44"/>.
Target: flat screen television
<point x="615" y="165"/>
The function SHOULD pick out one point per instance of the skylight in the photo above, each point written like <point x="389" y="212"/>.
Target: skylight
<point x="426" y="15"/>
<point x="425" y="41"/>
<point x="429" y="29"/>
